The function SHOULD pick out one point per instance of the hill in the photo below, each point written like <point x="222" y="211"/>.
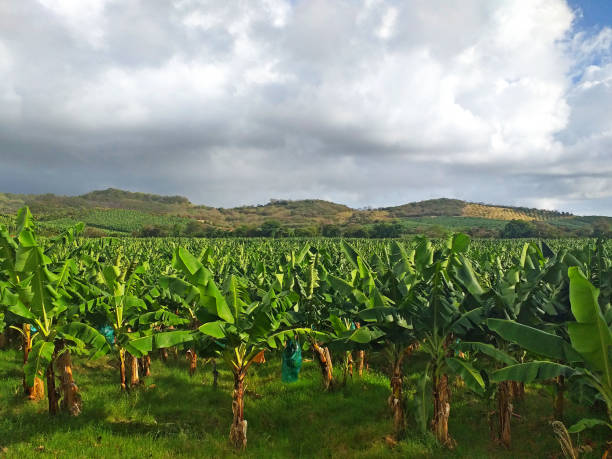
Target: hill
<point x="120" y="212"/>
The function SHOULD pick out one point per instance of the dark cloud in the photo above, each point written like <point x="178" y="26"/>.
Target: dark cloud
<point x="372" y="102"/>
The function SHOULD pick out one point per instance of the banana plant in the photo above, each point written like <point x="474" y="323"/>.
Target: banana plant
<point x="121" y="302"/>
<point x="516" y="293"/>
<point x="37" y="294"/>
<point x="585" y="355"/>
<point x="318" y="306"/>
<point x="244" y="327"/>
<point x="307" y="277"/>
<point x="387" y="323"/>
<point x="443" y="309"/>
<point x="427" y="303"/>
<point x="8" y="254"/>
<point x="170" y="310"/>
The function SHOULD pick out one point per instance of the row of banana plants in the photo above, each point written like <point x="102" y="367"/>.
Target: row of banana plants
<point x="541" y="319"/>
<point x="493" y="316"/>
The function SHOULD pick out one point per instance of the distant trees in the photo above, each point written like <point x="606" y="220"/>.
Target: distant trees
<point x="542" y="229"/>
<point x="193" y="228"/>
<point x="517" y="229"/>
<point x="331" y="231"/>
<point x="152" y="231"/>
<point x="275" y="228"/>
<point x="356" y="231"/>
<point x="527" y="229"/>
<point x="383" y="230"/>
<point x="601" y="228"/>
<point x="478" y="232"/>
<point x="306" y="231"/>
<point x="270" y="228"/>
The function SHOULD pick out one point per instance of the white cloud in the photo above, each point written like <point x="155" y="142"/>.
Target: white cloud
<point x="388" y="24"/>
<point x="10" y="101"/>
<point x="84" y="19"/>
<point x="413" y="100"/>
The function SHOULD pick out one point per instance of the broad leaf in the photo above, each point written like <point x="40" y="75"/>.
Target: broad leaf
<point x="489" y="350"/>
<point x="531" y="371"/>
<point x="39" y="359"/>
<point x="590" y="335"/>
<point x="529" y="338"/>
<point x="587" y="424"/>
<point x="471" y="376"/>
<point x="214" y="329"/>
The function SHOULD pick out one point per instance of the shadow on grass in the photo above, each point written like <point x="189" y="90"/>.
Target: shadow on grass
<point x="172" y="405"/>
<point x="173" y="415"/>
<point x="11" y="373"/>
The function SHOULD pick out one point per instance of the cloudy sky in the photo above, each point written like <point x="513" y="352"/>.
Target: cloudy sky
<point x="363" y="102"/>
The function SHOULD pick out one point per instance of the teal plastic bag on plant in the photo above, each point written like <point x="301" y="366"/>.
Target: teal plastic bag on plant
<point x="108" y="333"/>
<point x="292" y="361"/>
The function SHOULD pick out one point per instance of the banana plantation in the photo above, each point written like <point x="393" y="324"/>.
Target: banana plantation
<point x="406" y="331"/>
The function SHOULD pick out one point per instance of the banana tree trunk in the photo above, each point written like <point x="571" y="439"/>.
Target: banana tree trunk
<point x="396" y="400"/>
<point x="133" y="366"/>
<point x="441" y="413"/>
<point x="191" y="353"/>
<point x="52" y="394"/>
<point x="3" y="340"/>
<point x="361" y="362"/>
<point x="163" y="353"/>
<point x="329" y="361"/>
<point x="360" y="356"/>
<point x="37" y="391"/>
<point x="559" y="397"/>
<point x="325" y="363"/>
<point x="348" y="368"/>
<point x="144" y="364"/>
<point x="215" y="373"/>
<point x="71" y="399"/>
<point x="504" y="413"/>
<point x="193" y="361"/>
<point x="122" y="369"/>
<point x="238" y="430"/>
<point x="518" y="390"/>
<point x="27" y="342"/>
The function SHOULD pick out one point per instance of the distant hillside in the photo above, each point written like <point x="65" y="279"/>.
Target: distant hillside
<point x="114" y="211"/>
<point x="129" y="198"/>
<point x="110" y="198"/>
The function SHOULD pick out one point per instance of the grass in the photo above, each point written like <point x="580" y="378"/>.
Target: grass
<point x="455" y="223"/>
<point x="174" y="416"/>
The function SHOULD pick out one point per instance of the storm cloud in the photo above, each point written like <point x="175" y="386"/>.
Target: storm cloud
<point x="367" y="103"/>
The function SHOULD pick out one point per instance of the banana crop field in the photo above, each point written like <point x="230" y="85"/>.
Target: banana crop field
<point x="171" y="347"/>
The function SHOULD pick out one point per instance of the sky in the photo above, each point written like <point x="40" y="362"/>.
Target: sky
<point x="361" y="102"/>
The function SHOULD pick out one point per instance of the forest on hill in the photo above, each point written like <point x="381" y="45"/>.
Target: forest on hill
<point x="114" y="212"/>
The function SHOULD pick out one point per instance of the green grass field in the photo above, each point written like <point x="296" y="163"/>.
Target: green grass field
<point x="455" y="223"/>
<point x="173" y="415"/>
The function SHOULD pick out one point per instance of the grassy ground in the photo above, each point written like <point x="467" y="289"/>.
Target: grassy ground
<point x="174" y="415"/>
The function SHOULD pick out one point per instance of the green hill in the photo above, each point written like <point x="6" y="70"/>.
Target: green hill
<point x="120" y="212"/>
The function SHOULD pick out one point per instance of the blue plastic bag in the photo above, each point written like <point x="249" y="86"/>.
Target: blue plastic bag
<point x="292" y="361"/>
<point x="108" y="333"/>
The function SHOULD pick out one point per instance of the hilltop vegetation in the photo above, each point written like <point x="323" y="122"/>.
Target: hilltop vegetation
<point x="119" y="212"/>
